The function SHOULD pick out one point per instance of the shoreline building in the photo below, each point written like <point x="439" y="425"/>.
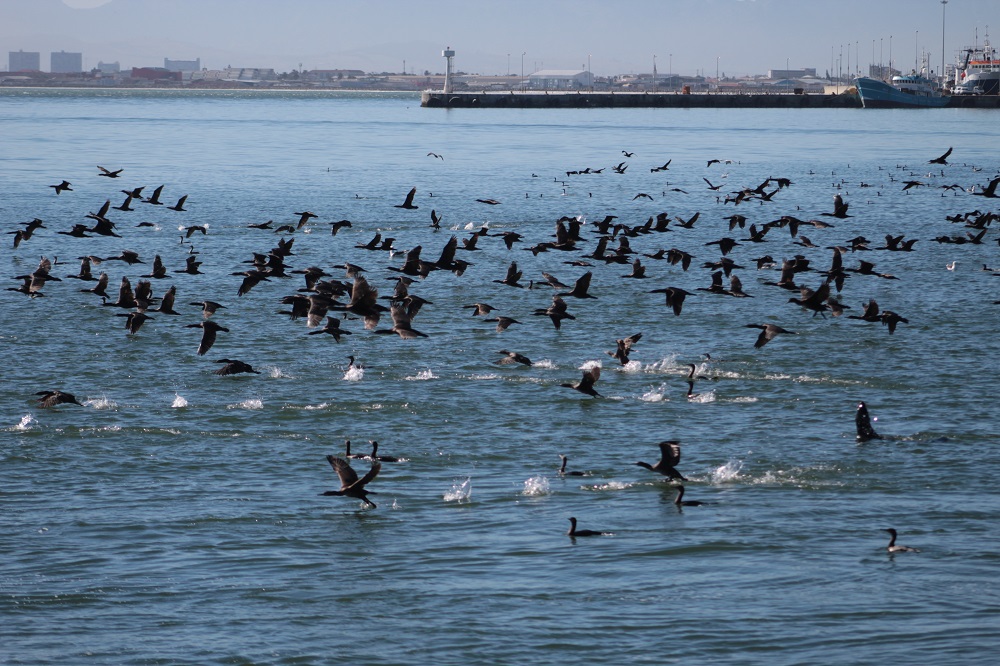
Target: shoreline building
<point x="66" y="63"/>
<point x="560" y="79"/>
<point x="24" y="61"/>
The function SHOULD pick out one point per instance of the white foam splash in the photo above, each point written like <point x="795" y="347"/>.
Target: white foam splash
<point x="745" y="398"/>
<point x="545" y="363"/>
<point x="655" y="395"/>
<point x="610" y="485"/>
<point x="274" y="372"/>
<point x="179" y="401"/>
<point x="322" y="405"/>
<point x="354" y="374"/>
<point x="486" y="376"/>
<point x="461" y="491"/>
<point x="632" y="367"/>
<point x="26" y="423"/>
<point x="101" y="403"/>
<point x="728" y="472"/>
<point x="536" y="486"/>
<point x="702" y="397"/>
<point x="664" y="365"/>
<point x="251" y="403"/>
<point x="590" y="365"/>
<point x="423" y="375"/>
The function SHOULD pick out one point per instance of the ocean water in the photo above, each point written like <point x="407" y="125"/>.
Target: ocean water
<point x="176" y="516"/>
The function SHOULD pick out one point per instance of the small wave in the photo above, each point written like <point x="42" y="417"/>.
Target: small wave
<point x="322" y="405"/>
<point x="728" y="472"/>
<point x="252" y="403"/>
<point x="354" y="374"/>
<point x="744" y="398"/>
<point x="461" y="491"/>
<point x="536" y="486"/>
<point x="274" y="372"/>
<point x="423" y="375"/>
<point x="489" y="375"/>
<point x="179" y="401"/>
<point x="545" y="363"/>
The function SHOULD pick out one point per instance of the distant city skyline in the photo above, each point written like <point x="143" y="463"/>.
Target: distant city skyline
<point x="687" y="37"/>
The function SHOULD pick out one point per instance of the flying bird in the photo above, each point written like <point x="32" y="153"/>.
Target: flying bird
<point x="350" y="484"/>
<point x="408" y="203"/>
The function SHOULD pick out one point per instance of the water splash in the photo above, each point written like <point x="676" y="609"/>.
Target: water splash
<point x="655" y="394"/>
<point x="274" y="372"/>
<point x="610" y="485"/>
<point x="632" y="367"/>
<point x="179" y="401"/>
<point x="354" y="374"/>
<point x="27" y="422"/>
<point x="664" y="365"/>
<point x="590" y="365"/>
<point x="536" y="486"/>
<point x="423" y="375"/>
<point x="702" y="397"/>
<point x="461" y="491"/>
<point x="728" y="472"/>
<point x="101" y="403"/>
<point x="251" y="403"/>
<point x="545" y="363"/>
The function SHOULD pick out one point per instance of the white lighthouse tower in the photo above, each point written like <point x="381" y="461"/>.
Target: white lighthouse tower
<point x="448" y="55"/>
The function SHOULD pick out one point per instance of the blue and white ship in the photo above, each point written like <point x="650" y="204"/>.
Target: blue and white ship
<point x="906" y="91"/>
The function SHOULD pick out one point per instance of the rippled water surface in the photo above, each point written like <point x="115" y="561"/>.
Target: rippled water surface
<point x="176" y="516"/>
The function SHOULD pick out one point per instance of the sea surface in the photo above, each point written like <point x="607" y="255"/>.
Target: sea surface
<point x="176" y="516"/>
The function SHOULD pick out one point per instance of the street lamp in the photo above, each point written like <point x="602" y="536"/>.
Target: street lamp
<point x="522" y="70"/>
<point x="590" y="75"/>
<point x="944" y="3"/>
<point x="717" y="73"/>
<point x="671" y="72"/>
<point x="654" y="72"/>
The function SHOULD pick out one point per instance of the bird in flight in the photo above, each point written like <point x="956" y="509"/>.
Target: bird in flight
<point x="408" y="203"/>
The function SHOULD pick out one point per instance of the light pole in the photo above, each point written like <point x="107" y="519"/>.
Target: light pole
<point x="944" y="3"/>
<point x="522" y="70"/>
<point x="717" y="73"/>
<point x="590" y="75"/>
<point x="508" y="64"/>
<point x="654" y="72"/>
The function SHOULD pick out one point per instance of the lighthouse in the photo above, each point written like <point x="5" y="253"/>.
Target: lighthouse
<point x="448" y="54"/>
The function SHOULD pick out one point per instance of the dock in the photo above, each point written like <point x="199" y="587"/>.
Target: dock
<point x="533" y="99"/>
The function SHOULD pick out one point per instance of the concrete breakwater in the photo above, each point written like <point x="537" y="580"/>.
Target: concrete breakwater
<point x="670" y="100"/>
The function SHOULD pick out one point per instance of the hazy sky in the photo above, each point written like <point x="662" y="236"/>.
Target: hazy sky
<point x="489" y="37"/>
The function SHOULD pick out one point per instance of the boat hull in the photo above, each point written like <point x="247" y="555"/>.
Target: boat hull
<point x="877" y="94"/>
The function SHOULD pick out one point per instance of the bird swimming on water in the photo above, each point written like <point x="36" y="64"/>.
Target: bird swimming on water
<point x="680" y="501"/>
<point x="893" y="548"/>
<point x="562" y="468"/>
<point x="863" y="424"/>
<point x="350" y="484"/>
<point x="573" y="532"/>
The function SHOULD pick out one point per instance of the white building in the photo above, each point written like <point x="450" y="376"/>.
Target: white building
<point x="560" y="79"/>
